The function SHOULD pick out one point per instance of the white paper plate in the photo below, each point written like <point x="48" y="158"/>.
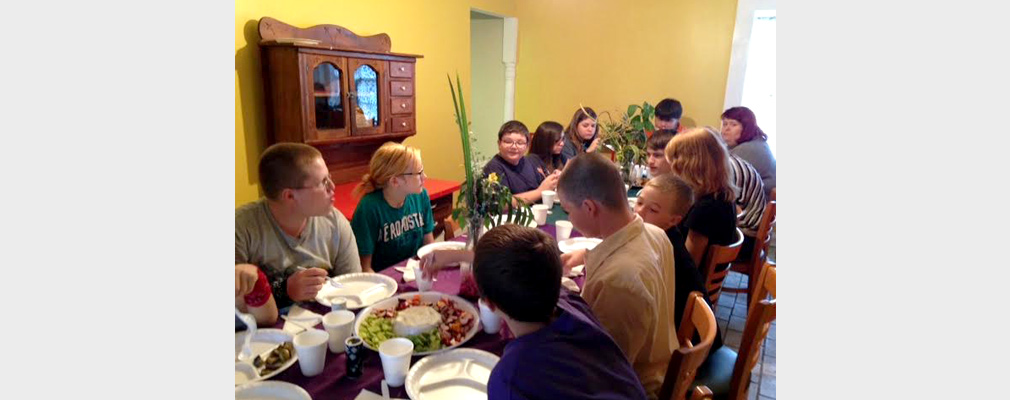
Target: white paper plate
<point x="363" y="289"/>
<point x="270" y="391"/>
<point x="263" y="340"/>
<point x="570" y="245"/>
<point x="428" y="248"/>
<point x="453" y="375"/>
<point x="425" y="297"/>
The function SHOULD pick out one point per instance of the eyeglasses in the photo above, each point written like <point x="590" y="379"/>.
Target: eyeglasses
<point x="325" y="184"/>
<point x="509" y="143"/>
<point x="421" y="172"/>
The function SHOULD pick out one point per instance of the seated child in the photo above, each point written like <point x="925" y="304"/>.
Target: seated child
<point x="663" y="202"/>
<point x="560" y="351"/>
<point x="393" y="218"/>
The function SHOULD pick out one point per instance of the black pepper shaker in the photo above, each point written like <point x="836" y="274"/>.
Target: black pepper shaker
<point x="355" y="356"/>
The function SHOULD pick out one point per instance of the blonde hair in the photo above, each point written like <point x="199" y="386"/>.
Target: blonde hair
<point x="683" y="195"/>
<point x="390" y="160"/>
<point x="698" y="157"/>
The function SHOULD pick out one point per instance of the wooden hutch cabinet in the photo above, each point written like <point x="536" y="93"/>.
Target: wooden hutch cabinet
<point x="342" y="93"/>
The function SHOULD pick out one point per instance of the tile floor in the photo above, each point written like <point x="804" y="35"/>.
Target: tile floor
<point x="731" y="315"/>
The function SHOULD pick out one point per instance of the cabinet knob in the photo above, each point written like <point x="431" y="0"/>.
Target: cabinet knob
<point x="403" y="105"/>
<point x="403" y="88"/>
<point x="404" y="124"/>
<point x="401" y="69"/>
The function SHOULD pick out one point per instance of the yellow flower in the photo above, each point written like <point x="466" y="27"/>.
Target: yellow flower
<point x="493" y="178"/>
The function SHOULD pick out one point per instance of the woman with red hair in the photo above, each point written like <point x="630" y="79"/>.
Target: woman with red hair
<point x="746" y="140"/>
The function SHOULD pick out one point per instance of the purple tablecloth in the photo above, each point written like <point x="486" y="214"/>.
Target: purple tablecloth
<point x="332" y="383"/>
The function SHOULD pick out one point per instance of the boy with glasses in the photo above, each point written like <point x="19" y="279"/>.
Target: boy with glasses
<point x="526" y="176"/>
<point x="293" y="234"/>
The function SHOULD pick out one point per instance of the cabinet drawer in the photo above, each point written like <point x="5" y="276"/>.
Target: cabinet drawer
<point x="401" y="105"/>
<point x="401" y="88"/>
<point x="403" y="124"/>
<point x="401" y="69"/>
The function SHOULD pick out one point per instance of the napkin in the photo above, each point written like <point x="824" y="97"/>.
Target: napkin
<point x="570" y="285"/>
<point x="408" y="271"/>
<point x="366" y="395"/>
<point x="303" y="317"/>
<point x="576" y="271"/>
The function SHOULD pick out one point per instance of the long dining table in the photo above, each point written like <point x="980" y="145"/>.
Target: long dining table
<point x="333" y="382"/>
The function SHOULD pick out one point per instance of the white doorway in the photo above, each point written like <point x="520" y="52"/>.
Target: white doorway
<point x="492" y="77"/>
<point x="751" y="80"/>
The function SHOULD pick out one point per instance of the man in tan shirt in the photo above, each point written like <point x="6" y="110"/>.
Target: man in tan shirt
<point x="629" y="276"/>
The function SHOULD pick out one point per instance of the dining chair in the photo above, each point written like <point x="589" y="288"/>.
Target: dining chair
<point x="701" y="393"/>
<point x="715" y="256"/>
<point x="451" y="227"/>
<point x="759" y="253"/>
<point x="726" y="372"/>
<point x="698" y="318"/>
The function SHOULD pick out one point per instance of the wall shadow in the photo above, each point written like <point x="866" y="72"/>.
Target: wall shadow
<point x="250" y="87"/>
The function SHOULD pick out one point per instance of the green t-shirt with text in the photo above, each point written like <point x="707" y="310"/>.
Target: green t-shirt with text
<point x="388" y="234"/>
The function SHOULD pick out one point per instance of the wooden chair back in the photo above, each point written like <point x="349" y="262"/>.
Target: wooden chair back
<point x="759" y="253"/>
<point x="715" y="256"/>
<point x="701" y="393"/>
<point x="451" y="227"/>
<point x="759" y="321"/>
<point x="684" y="362"/>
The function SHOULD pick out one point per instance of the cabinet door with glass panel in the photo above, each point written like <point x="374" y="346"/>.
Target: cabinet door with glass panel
<point x="367" y="96"/>
<point x="326" y="107"/>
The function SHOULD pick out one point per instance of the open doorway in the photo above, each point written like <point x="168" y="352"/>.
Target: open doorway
<point x="492" y="83"/>
<point x="751" y="80"/>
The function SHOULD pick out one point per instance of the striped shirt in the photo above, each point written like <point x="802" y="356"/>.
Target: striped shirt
<point x="750" y="194"/>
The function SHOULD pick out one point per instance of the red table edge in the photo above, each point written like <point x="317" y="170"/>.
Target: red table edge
<point x="344" y="201"/>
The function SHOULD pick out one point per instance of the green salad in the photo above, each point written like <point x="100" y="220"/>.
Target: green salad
<point x="375" y="330"/>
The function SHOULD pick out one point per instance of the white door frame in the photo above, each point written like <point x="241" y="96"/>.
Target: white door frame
<point x="741" y="42"/>
<point x="510" y="39"/>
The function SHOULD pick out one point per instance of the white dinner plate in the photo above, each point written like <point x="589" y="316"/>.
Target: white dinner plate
<point x="570" y="245"/>
<point x="272" y="390"/>
<point x="263" y="340"/>
<point x="428" y="248"/>
<point x="391" y="303"/>
<point x="453" y="375"/>
<point x="361" y="289"/>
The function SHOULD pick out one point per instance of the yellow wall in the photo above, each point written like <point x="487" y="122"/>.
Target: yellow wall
<point x="438" y="30"/>
<point x="609" y="54"/>
<point x="605" y="54"/>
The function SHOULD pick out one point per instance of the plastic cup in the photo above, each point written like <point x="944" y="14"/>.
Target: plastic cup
<point x="564" y="229"/>
<point x="395" y="355"/>
<point x="423" y="285"/>
<point x="490" y="320"/>
<point x="311" y="349"/>
<point x="548" y="197"/>
<point x="338" y="325"/>
<point x="540" y="213"/>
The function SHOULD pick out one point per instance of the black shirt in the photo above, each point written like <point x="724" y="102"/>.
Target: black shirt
<point x="716" y="219"/>
<point x="688" y="279"/>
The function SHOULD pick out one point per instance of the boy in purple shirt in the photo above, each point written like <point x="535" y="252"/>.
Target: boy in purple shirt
<point x="560" y="350"/>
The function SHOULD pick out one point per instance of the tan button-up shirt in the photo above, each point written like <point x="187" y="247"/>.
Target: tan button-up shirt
<point x="629" y="285"/>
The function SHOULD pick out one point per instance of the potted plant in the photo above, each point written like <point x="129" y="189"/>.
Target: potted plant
<point x="483" y="201"/>
<point x="626" y="137"/>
